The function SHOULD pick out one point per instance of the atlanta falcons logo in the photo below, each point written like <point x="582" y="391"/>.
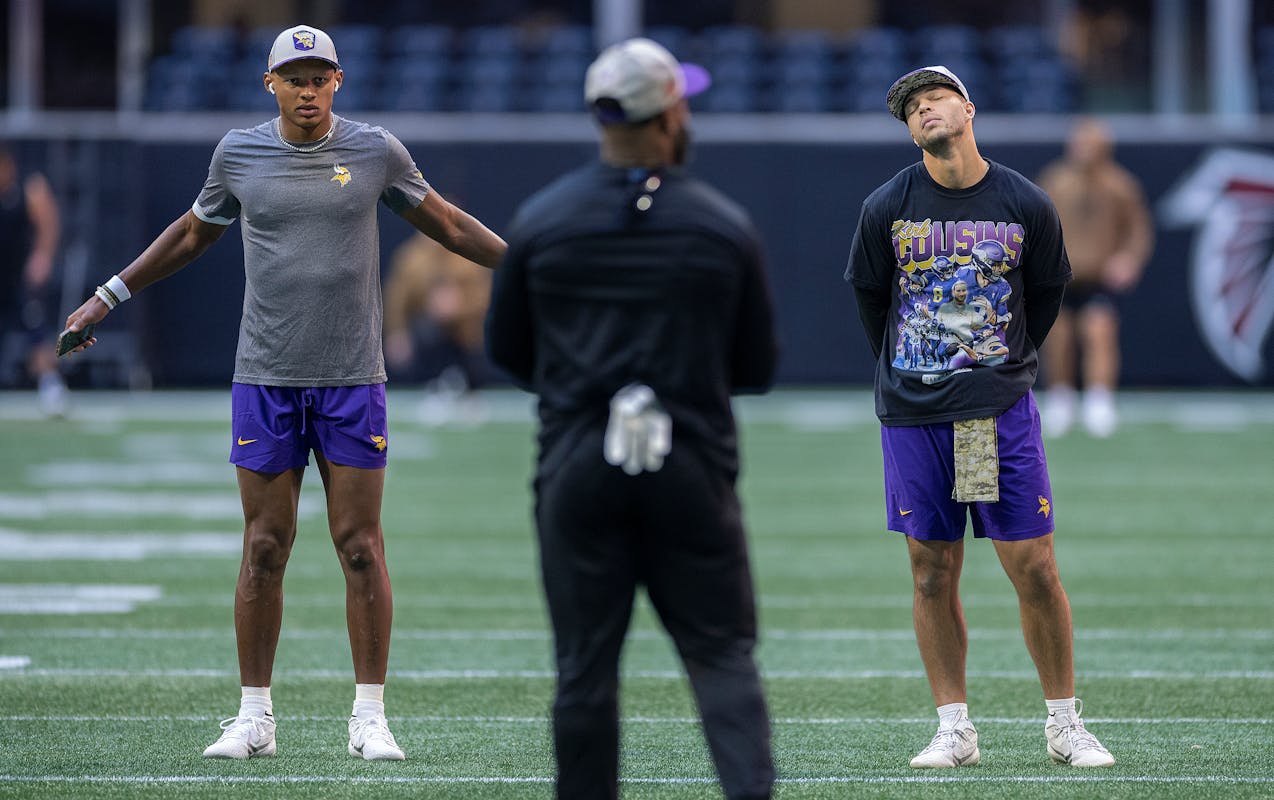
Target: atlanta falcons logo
<point x="1229" y="199"/>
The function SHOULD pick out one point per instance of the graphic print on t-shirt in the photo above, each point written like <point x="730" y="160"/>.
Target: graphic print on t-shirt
<point x="953" y="295"/>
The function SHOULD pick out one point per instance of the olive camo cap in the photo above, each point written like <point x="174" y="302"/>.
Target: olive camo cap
<point x="903" y="88"/>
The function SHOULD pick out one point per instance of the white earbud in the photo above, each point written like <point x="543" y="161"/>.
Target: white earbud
<point x="269" y="87"/>
<point x="336" y="87"/>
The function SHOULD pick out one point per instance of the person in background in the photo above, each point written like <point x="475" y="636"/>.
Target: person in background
<point x="30" y="227"/>
<point x="1109" y="238"/>
<point x="435" y="305"/>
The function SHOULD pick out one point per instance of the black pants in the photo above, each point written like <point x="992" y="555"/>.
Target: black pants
<point x="679" y="532"/>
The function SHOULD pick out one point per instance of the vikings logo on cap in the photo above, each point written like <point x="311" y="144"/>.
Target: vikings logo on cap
<point x="303" y="40"/>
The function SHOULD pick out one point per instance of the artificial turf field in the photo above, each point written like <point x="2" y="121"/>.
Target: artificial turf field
<point x="119" y="548"/>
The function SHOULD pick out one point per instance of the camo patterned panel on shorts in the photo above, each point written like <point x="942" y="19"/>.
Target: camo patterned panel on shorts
<point x="977" y="462"/>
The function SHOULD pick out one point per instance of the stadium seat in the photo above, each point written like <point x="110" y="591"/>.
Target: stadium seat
<point x="807" y="98"/>
<point x="677" y="40"/>
<point x="556" y="69"/>
<point x="868" y="82"/>
<point x="491" y="41"/>
<point x="258" y="43"/>
<point x="1007" y="42"/>
<point x="359" y="41"/>
<point x="556" y="99"/>
<point x="421" y="96"/>
<point x="731" y="41"/>
<point x="880" y="44"/>
<point x="486" y="98"/>
<point x="197" y="41"/>
<point x="736" y="71"/>
<point x="489" y="70"/>
<point x="806" y="45"/>
<point x="734" y="98"/>
<point x="947" y="42"/>
<point x="567" y="40"/>
<point x="406" y="70"/>
<point x="405" y="41"/>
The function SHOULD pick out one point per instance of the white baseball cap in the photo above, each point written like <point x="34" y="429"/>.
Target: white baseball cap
<point x="903" y="88"/>
<point x="638" y="79"/>
<point x="303" y="41"/>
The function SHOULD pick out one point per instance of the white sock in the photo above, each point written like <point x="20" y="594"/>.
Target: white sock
<point x="952" y="713"/>
<point x="369" y="699"/>
<point x="1059" y="706"/>
<point x="255" y="702"/>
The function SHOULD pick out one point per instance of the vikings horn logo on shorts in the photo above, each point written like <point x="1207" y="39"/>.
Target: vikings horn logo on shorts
<point x="1229" y="200"/>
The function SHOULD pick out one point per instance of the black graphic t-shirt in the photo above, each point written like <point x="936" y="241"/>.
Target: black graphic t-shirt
<point x="956" y="289"/>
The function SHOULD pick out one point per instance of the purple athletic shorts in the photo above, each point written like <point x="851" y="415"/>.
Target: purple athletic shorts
<point x="275" y="427"/>
<point x="920" y="476"/>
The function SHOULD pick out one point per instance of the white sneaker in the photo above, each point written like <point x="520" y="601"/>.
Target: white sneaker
<point x="1070" y="743"/>
<point x="370" y="739"/>
<point x="951" y="747"/>
<point x="54" y="396"/>
<point x="244" y="737"/>
<point x="1059" y="411"/>
<point x="1100" y="417"/>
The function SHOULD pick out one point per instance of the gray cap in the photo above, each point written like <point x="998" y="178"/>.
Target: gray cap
<point x="903" y="88"/>
<point x="638" y="79"/>
<point x="303" y="41"/>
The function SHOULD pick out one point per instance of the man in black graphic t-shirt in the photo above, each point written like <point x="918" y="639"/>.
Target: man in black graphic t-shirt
<point x="958" y="270"/>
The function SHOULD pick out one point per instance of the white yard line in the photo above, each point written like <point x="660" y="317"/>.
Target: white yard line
<point x="543" y="634"/>
<point x="637" y="720"/>
<point x="524" y="674"/>
<point x="1086" y="778"/>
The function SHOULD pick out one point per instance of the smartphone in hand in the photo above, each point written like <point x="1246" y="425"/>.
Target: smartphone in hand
<point x="69" y="340"/>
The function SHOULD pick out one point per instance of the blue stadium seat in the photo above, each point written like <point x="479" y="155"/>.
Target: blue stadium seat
<point x="736" y="70"/>
<point x="567" y="40"/>
<point x="181" y="83"/>
<point x="559" y="69"/>
<point x="947" y="41"/>
<point x="1039" y="85"/>
<point x="809" y="98"/>
<point x="1006" y="42"/>
<point x="868" y="82"/>
<point x="197" y="41"/>
<point x="361" y="41"/>
<point x="556" y="99"/>
<point x="801" y="70"/>
<point x="250" y="97"/>
<point x="1265" y="43"/>
<point x="491" y="41"/>
<point x="413" y="96"/>
<point x="403" y="41"/>
<point x="803" y="44"/>
<point x="731" y="41"/>
<point x="880" y="44"/>
<point x="490" y="70"/>
<point x="730" y="98"/>
<point x="677" y="40"/>
<point x="404" y="70"/>
<point x="258" y="43"/>
<point x="486" y="98"/>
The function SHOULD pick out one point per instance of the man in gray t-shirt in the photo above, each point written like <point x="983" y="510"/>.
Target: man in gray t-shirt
<point x="309" y="372"/>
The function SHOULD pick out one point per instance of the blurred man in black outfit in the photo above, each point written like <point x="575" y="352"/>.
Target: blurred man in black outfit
<point x="633" y="301"/>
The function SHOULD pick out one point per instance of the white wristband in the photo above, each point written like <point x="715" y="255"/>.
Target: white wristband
<point x="113" y="292"/>
<point x="118" y="288"/>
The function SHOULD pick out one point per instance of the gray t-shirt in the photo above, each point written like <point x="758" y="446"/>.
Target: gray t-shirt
<point x="311" y="248"/>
